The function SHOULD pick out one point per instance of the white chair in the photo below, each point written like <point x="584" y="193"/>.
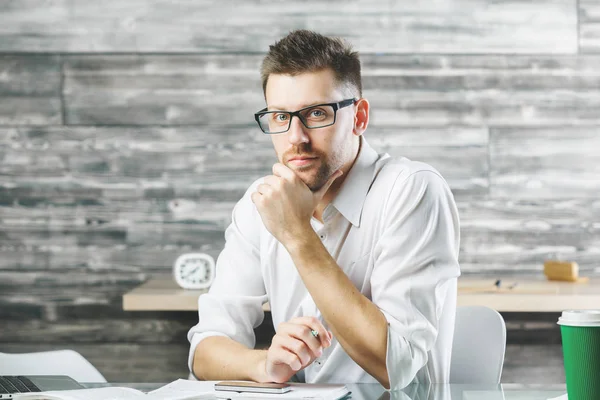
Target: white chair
<point x="57" y="362"/>
<point x="478" y="347"/>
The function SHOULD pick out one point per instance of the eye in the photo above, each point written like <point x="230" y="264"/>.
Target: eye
<point x="280" y="117"/>
<point x="317" y="114"/>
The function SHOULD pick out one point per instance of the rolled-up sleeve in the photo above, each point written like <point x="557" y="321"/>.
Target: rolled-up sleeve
<point x="415" y="265"/>
<point x="233" y="305"/>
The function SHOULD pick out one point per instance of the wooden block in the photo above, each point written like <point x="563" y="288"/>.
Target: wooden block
<point x="561" y="270"/>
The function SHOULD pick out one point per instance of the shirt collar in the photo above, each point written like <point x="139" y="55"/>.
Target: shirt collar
<point x="350" y="199"/>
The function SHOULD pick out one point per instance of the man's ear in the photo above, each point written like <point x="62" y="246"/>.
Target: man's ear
<point x="361" y="117"/>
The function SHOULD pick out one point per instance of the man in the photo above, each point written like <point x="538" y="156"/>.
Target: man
<point x="356" y="252"/>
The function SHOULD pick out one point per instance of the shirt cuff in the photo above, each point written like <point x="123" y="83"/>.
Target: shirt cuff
<point x="194" y="341"/>
<point x="403" y="359"/>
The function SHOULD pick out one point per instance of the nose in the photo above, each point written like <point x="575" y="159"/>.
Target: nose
<point x="296" y="133"/>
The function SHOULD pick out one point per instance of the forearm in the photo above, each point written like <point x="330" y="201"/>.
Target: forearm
<point x="220" y="358"/>
<point x="358" y="324"/>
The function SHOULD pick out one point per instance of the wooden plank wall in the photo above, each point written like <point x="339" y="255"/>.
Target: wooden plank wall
<point x="127" y="134"/>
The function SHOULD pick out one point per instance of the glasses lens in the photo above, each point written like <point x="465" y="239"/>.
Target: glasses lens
<point x="274" y="122"/>
<point x="318" y="116"/>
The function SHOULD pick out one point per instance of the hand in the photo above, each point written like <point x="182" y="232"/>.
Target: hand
<point x="294" y="348"/>
<point x="286" y="204"/>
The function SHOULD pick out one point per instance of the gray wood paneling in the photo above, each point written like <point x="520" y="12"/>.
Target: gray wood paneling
<point x="85" y="325"/>
<point x="515" y="235"/>
<point x="90" y="330"/>
<point x="173" y="90"/>
<point x="545" y="162"/>
<point x="29" y="89"/>
<point x="139" y="260"/>
<point x="118" y="163"/>
<point x="519" y="26"/>
<point x="533" y="363"/>
<point x="426" y="90"/>
<point x="589" y="26"/>
<point x="442" y="90"/>
<point x="460" y="152"/>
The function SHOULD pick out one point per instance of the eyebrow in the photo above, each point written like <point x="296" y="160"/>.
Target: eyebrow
<point x="276" y="108"/>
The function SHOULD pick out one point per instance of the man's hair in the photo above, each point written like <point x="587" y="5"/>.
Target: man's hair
<point x="306" y="51"/>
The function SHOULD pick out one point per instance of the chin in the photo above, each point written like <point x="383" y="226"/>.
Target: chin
<point x="315" y="182"/>
<point x="309" y="177"/>
<point x="313" y="176"/>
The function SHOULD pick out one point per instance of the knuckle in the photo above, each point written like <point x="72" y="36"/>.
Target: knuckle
<point x="276" y="340"/>
<point x="305" y="330"/>
<point x="298" y="347"/>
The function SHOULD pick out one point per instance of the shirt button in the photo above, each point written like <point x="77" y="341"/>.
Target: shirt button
<point x="322" y="236"/>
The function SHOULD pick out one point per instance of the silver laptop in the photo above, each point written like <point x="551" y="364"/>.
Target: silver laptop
<point x="10" y="385"/>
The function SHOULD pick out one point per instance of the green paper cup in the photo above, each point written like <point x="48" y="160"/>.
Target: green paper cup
<point x="580" y="331"/>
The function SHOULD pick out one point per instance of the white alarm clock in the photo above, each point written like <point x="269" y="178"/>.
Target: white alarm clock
<point x="194" y="270"/>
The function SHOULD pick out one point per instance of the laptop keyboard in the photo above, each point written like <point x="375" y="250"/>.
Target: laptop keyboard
<point x="16" y="384"/>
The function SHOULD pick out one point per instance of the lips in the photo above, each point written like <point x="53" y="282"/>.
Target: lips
<point x="302" y="158"/>
<point x="300" y="161"/>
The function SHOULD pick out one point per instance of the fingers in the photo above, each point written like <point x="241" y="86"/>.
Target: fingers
<point x="256" y="198"/>
<point x="301" y="327"/>
<point x="281" y="355"/>
<point x="272" y="180"/>
<point x="283" y="172"/>
<point x="264" y="189"/>
<point x="269" y="185"/>
<point x="314" y="324"/>
<point x="294" y="346"/>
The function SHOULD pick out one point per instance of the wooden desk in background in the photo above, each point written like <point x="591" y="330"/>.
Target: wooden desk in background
<point x="163" y="294"/>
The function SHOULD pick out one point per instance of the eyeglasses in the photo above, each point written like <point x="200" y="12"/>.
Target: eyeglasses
<point x="312" y="117"/>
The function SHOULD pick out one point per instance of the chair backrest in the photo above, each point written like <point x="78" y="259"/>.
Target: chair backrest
<point x="56" y="362"/>
<point x="478" y="346"/>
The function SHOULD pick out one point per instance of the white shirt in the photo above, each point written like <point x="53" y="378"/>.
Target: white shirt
<point x="393" y="228"/>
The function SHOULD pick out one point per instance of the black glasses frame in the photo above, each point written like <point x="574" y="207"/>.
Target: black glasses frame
<point x="336" y="106"/>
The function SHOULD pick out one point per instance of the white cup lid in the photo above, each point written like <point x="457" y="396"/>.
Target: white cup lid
<point x="580" y="318"/>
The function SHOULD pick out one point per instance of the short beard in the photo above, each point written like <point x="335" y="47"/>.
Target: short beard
<point x="322" y="176"/>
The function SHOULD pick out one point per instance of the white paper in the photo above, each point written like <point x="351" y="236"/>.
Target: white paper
<point x="183" y="389"/>
<point x="105" y="393"/>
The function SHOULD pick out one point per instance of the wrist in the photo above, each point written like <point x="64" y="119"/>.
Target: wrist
<point x="259" y="373"/>
<point x="305" y="239"/>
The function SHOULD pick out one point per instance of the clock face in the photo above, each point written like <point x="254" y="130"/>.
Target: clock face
<point x="194" y="271"/>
